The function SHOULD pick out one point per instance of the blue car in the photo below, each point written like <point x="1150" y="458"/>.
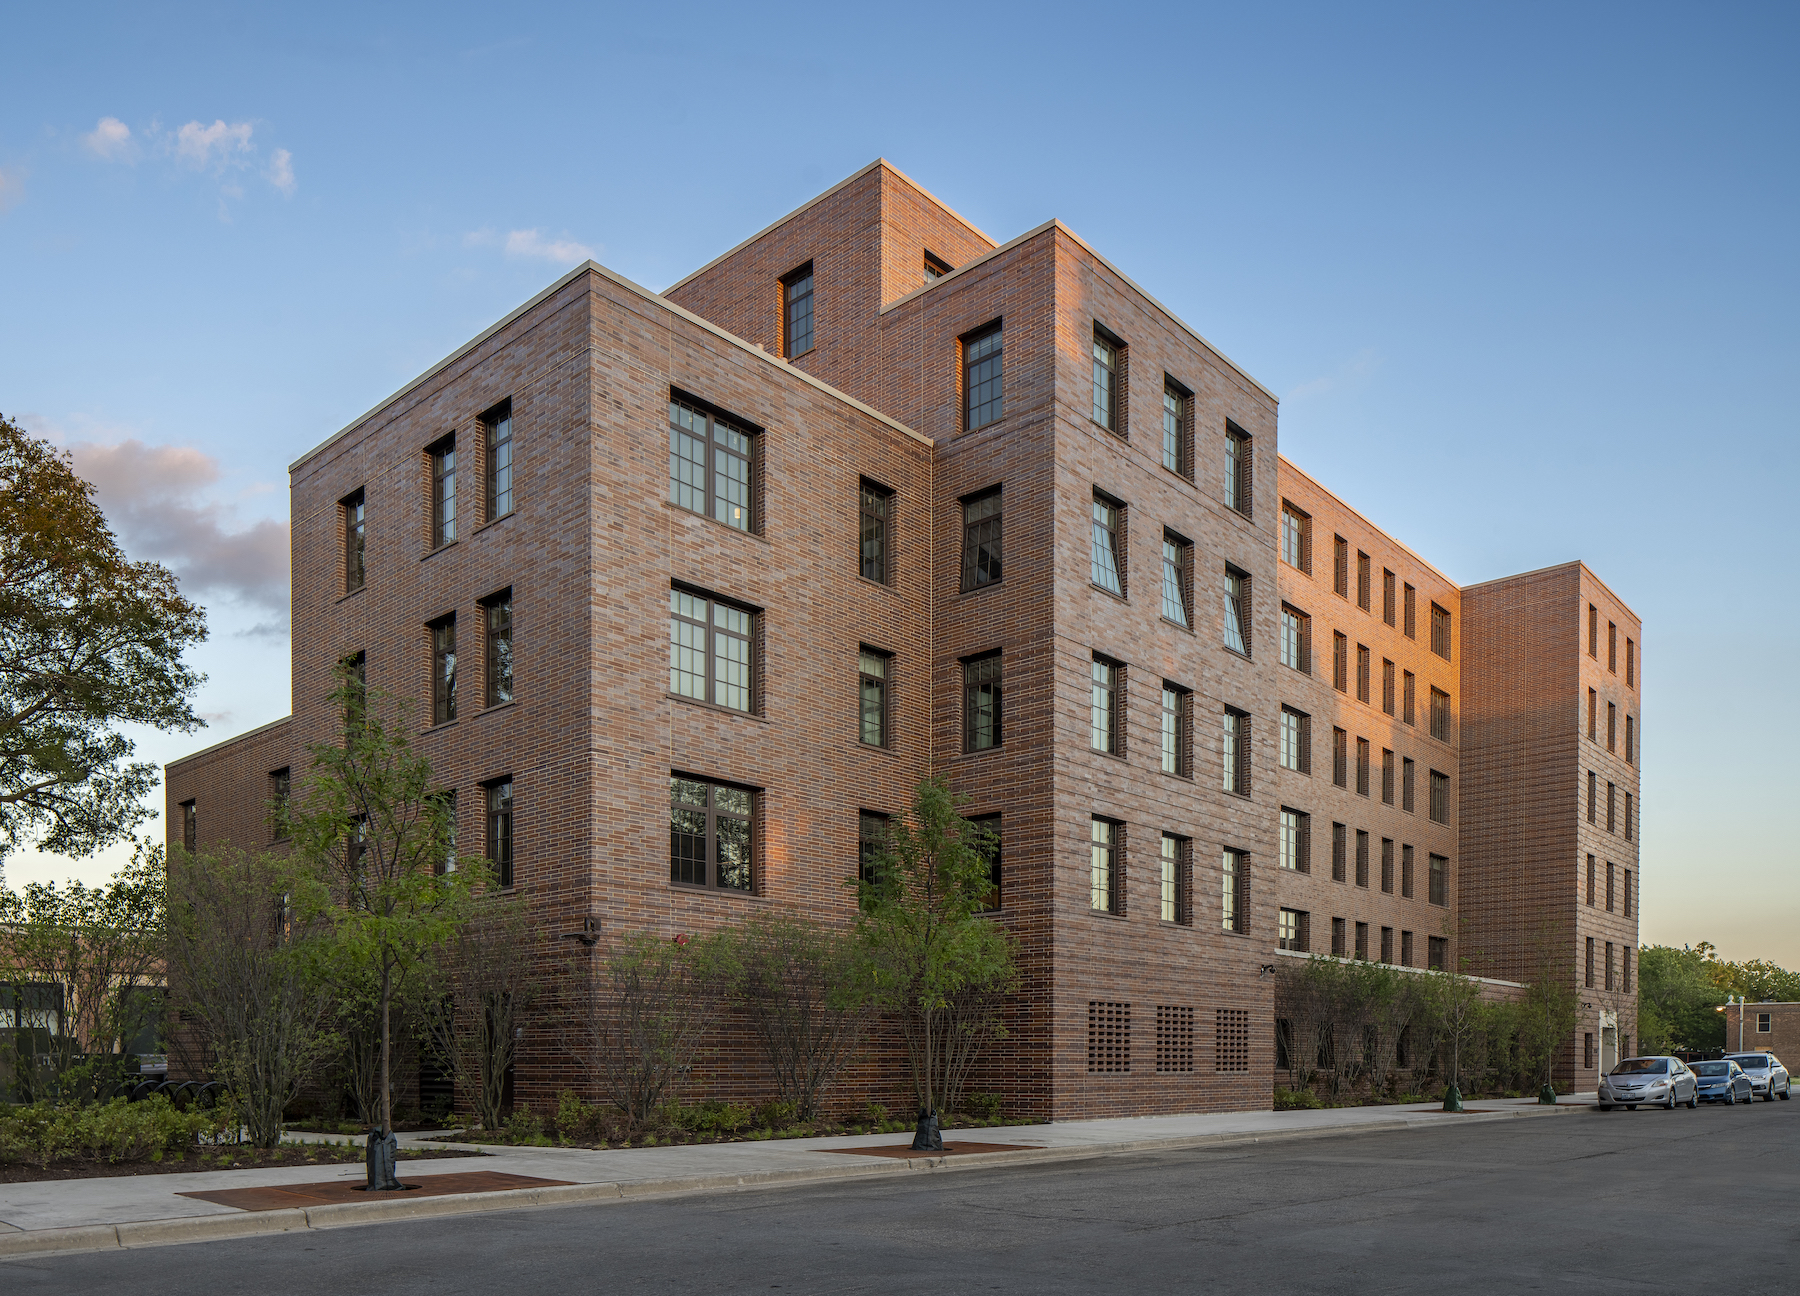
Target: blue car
<point x="1722" y="1081"/>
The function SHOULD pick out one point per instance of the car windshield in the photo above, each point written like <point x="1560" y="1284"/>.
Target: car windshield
<point x="1642" y="1066"/>
<point x="1712" y="1068"/>
<point x="1759" y="1062"/>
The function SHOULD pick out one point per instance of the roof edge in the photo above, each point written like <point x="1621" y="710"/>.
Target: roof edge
<point x="1573" y="562"/>
<point x="226" y="742"/>
<point x="1286" y="464"/>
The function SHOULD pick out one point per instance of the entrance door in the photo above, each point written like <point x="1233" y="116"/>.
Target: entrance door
<point x="1609" y="1049"/>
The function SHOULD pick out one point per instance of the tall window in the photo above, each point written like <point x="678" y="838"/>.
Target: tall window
<point x="1437" y="954"/>
<point x="497" y="615"/>
<point x="1234" y="870"/>
<point x="981" y="703"/>
<point x="1362" y="767"/>
<point x="1107" y="355"/>
<point x="871" y="836"/>
<point x="1177" y="582"/>
<point x="1295" y="840"/>
<point x="1340" y="662"/>
<point x="1176" y="867"/>
<point x="1387" y="944"/>
<point x="1408" y="689"/>
<point x="1237" y="610"/>
<point x="1612" y="727"/>
<point x="981" y="378"/>
<point x="1387" y="686"/>
<point x="1362" y="580"/>
<point x="1177" y="722"/>
<point x="1406" y="872"/>
<point x="1107" y="570"/>
<point x="1588" y="975"/>
<point x="1593" y="716"/>
<point x="1439" y="893"/>
<point x="797" y="297"/>
<point x="1340" y="758"/>
<point x="1239" y="472"/>
<point x="1440" y="797"/>
<point x="1363" y="659"/>
<point x="876" y="505"/>
<point x="1593" y="638"/>
<point x="872" y="690"/>
<point x="1440" y="715"/>
<point x="1103" y="876"/>
<point x="1592" y="870"/>
<point x="1592" y="801"/>
<point x="1440" y="632"/>
<point x="1296" y="740"/>
<point x="447" y="799"/>
<point x="1387" y="596"/>
<point x="1105" y="711"/>
<point x="1612" y="878"/>
<point x="1612" y="798"/>
<point x="190" y="827"/>
<point x="356" y="571"/>
<point x="1362" y="941"/>
<point x="497" y="432"/>
<point x="1628" y="816"/>
<point x="281" y="787"/>
<point x="1387" y="777"/>
<point x="1296" y="538"/>
<point x="443" y="670"/>
<point x="1291" y="931"/>
<point x="1234" y="751"/>
<point x="1406" y="783"/>
<point x="500" y="829"/>
<point x="1627" y="898"/>
<point x="981" y="540"/>
<point x="709" y="465"/>
<point x="990" y="824"/>
<point x="1296" y="639"/>
<point x="1339" y="851"/>
<point x="443" y="492"/>
<point x="710" y="649"/>
<point x="1630" y="663"/>
<point x="1409" y="611"/>
<point x="709" y="834"/>
<point x="1340" y="566"/>
<point x="1362" y="859"/>
<point x="1630" y="740"/>
<point x="1177" y="446"/>
<point x="1612" y="647"/>
<point x="1387" y="866"/>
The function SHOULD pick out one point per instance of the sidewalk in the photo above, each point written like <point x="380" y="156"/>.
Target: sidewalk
<point x="145" y="1210"/>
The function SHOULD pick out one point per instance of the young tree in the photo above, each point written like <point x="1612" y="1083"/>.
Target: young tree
<point x="92" y="641"/>
<point x="1454" y="1002"/>
<point x="637" y="1022"/>
<point x="379" y="839"/>
<point x="1548" y="1012"/>
<point x="474" y="998"/>
<point x="246" y="969"/>
<point x="934" y="960"/>
<point x="97" y="952"/>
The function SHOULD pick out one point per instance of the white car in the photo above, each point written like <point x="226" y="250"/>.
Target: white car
<point x="1650" y="1081"/>
<point x="1769" y="1080"/>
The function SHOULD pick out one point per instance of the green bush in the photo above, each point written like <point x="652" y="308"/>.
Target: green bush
<point x="775" y="1115"/>
<point x="983" y="1106"/>
<point x="711" y="1119"/>
<point x="113" y="1131"/>
<point x="1296" y="1099"/>
<point x="525" y="1126"/>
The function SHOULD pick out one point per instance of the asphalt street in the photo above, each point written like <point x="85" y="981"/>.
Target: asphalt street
<point x="1639" y="1202"/>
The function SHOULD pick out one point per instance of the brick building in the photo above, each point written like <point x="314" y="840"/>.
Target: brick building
<point x="732" y="567"/>
<point x="1767" y="1027"/>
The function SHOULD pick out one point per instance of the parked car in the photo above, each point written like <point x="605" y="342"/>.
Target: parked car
<point x="1767" y="1076"/>
<point x="1662" y="1081"/>
<point x="1722" y="1081"/>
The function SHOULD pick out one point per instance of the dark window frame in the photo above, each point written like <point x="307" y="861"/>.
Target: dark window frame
<point x="443" y="668"/>
<point x="711" y="634"/>
<point x="1176" y="722"/>
<point x="983" y="536"/>
<point x="1441" y="631"/>
<point x="499" y="683"/>
<point x="1297" y="523"/>
<point x="797" y="320"/>
<point x="1107" y="537"/>
<point x="1182" y="451"/>
<point x="441" y="468"/>
<point x="718" y="433"/>
<point x="1109" y="406"/>
<point x="1438" y="880"/>
<point x="497" y="460"/>
<point x="1106" y="705"/>
<point x="355" y="514"/>
<point x="713" y="842"/>
<point x="983" y="718"/>
<point x="502" y="824"/>
<point x="882" y="686"/>
<point x="1438" y="809"/>
<point x="1178" y="569"/>
<point x="984" y="376"/>
<point x="1240" y="470"/>
<point x="875" y="531"/>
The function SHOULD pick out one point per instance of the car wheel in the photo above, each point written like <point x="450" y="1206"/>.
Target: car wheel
<point x="1693" y="1101"/>
<point x="1630" y="1106"/>
<point x="1784" y="1093"/>
<point x="1731" y="1097"/>
<point x="1604" y="1106"/>
<point x="1769" y="1095"/>
<point x="1670" y="1105"/>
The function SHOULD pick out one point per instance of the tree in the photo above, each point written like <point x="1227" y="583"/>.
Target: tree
<point x="1454" y="1003"/>
<point x="637" y="1024"/>
<point x="474" y="998"/>
<point x="1677" y="992"/>
<point x="380" y="841"/>
<point x="91" y="641"/>
<point x="1549" y="1010"/>
<point x="93" y="955"/>
<point x="934" y="959"/>
<point x="247" y="970"/>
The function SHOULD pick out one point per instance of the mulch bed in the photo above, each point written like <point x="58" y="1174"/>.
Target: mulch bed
<point x="86" y="1169"/>
<point x="950" y="1149"/>
<point x="288" y="1196"/>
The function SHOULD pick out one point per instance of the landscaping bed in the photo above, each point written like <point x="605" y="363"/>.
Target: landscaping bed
<point x="224" y="1157"/>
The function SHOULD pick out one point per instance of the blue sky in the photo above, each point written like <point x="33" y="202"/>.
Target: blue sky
<point x="1524" y="278"/>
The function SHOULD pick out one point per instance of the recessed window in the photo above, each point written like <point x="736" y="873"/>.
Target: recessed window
<point x="1340" y="566"/>
<point x="990" y="824"/>
<point x="1630" y="740"/>
<point x="447" y="799"/>
<point x="1362" y="941"/>
<point x="1106" y="714"/>
<point x="1387" y="596"/>
<point x="1612" y="879"/>
<point x="1337" y="938"/>
<point x="935" y="268"/>
<point x="443" y="670"/>
<point x="1591" y="798"/>
<point x="981" y="539"/>
<point x="876" y="509"/>
<point x="356" y="571"/>
<point x="1234" y="881"/>
<point x="1387" y="777"/>
<point x="1593" y="634"/>
<point x="982" y="355"/>
<point x="1107" y="568"/>
<point x="1178" y="429"/>
<point x="1592" y="870"/>
<point x="1296" y="538"/>
<point x="981" y="703"/>
<point x="497" y="435"/>
<point x="1612" y="727"/>
<point x="873" y="669"/>
<point x="1362" y="859"/>
<point x="1291" y="930"/>
<point x="1295" y="744"/>
<point x="1439" y="880"/>
<point x="1340" y="758"/>
<point x="1440" y="797"/>
<point x="871" y="837"/>
<point x="1387" y="868"/>
<point x="1588" y="981"/>
<point x="1340" y="662"/>
<point x="281" y="789"/>
<point x="1178" y="580"/>
<point x="1406" y="881"/>
<point x="1387" y="944"/>
<point x="1612" y="801"/>
<point x="1237" y="610"/>
<point x="1437" y="954"/>
<point x="1406" y="783"/>
<point x="1239" y="469"/>
<point x="1362" y="580"/>
<point x="1109" y="357"/>
<point x="1440" y="632"/>
<point x="1362" y="767"/>
<point x="1294" y="840"/>
<point x="1628" y="820"/>
<point x="1177" y="730"/>
<point x="1409" y="612"/>
<point x="709" y="834"/>
<point x="1387" y="686"/>
<point x="797" y="298"/>
<point x="1339" y="851"/>
<point x="442" y="457"/>
<point x="1234" y="752"/>
<point x="1104" y="874"/>
<point x="1363" y="659"/>
<point x="497" y="621"/>
<point x="190" y="827"/>
<point x="710" y="649"/>
<point x="1630" y="663"/>
<point x="1408" y="691"/>
<point x="1440" y="715"/>
<point x="709" y="465"/>
<point x="1177" y="872"/>
<point x="1612" y="647"/>
<point x="1296" y="639"/>
<point x="500" y="829"/>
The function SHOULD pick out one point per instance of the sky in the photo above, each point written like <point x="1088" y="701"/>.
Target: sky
<point x="1523" y="277"/>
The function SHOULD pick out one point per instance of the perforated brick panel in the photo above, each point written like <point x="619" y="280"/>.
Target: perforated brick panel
<point x="1109" y="1036"/>
<point x="1231" y="1046"/>
<point x="1175" y="1038"/>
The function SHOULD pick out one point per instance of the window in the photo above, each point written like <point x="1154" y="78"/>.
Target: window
<point x="1406" y="949"/>
<point x="1292" y="932"/>
<point x="981" y="540"/>
<point x="1593" y="716"/>
<point x="1362" y="767"/>
<point x="1387" y="944"/>
<point x="1593" y="636"/>
<point x="1177" y="579"/>
<point x="190" y="827"/>
<point x="1592" y="800"/>
<point x="1626" y="896"/>
<point x="1588" y="977"/>
<point x="1105" y="714"/>
<point x="871" y="836"/>
<point x="1340" y="662"/>
<point x="497" y="626"/>
<point x="1174" y="1039"/>
<point x="447" y="800"/>
<point x="1295" y="840"/>
<point x="1611" y="877"/>
<point x="1339" y="852"/>
<point x="1296" y="740"/>
<point x="1408" y="689"/>
<point x="281" y="788"/>
<point x="1440" y="797"/>
<point x="1109" y="357"/>
<point x="1177" y="730"/>
<point x="1177" y="878"/>
<point x="1630" y="740"/>
<point x="981" y="703"/>
<point x="1612" y="727"/>
<point x="1587" y="1042"/>
<point x="1438" y="880"/>
<point x="1763" y="1020"/>
<point x="1109" y="1036"/>
<point x="1387" y="868"/>
<point x="1237" y="610"/>
<point x="355" y="669"/>
<point x="1362" y="941"/>
<point x="1628" y="816"/>
<point x="1440" y="714"/>
<point x="1362" y="672"/>
<point x="497" y="435"/>
<point x="1234" y="752"/>
<point x="1340" y="758"/>
<point x="1437" y="953"/>
<point x="1107" y="569"/>
<point x="443" y="492"/>
<point x="1105" y="892"/>
<point x="876" y="507"/>
<point x="1612" y="798"/>
<point x="1239" y="472"/>
<point x="873" y="667"/>
<point x="1440" y="632"/>
<point x="990" y="824"/>
<point x="1362" y="859"/>
<point x="1612" y="647"/>
<point x="709" y="834"/>
<point x="1337" y="938"/>
<point x="1387" y="777"/>
<point x="443" y="670"/>
<point x="1362" y="580"/>
<point x="1296" y="639"/>
<point x="1406" y="784"/>
<point x="1387" y="686"/>
<point x="1592" y="870"/>
<point x="1296" y="538"/>
<point x="356" y="523"/>
<point x="981" y="378"/>
<point x="709" y="465"/>
<point x="935" y="268"/>
<point x="1178" y="429"/>
<point x="1406" y="876"/>
<point x="1234" y="886"/>
<point x="710" y="654"/>
<point x="1409" y="612"/>
<point x="1630" y="663"/>
<point x="500" y="829"/>
<point x="797" y="298"/>
<point x="1387" y="596"/>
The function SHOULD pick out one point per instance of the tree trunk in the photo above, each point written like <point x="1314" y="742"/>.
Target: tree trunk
<point x="387" y="1089"/>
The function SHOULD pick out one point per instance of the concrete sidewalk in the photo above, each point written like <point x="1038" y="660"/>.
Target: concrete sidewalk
<point x="145" y="1210"/>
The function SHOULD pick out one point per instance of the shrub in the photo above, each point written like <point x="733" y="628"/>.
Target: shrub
<point x="1296" y="1099"/>
<point x="711" y="1119"/>
<point x="983" y="1106"/>
<point x="113" y="1132"/>
<point x="775" y="1115"/>
<point x="524" y="1126"/>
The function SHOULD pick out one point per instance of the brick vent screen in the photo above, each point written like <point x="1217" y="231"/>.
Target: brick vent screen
<point x="1231" y="1052"/>
<point x="1174" y="1038"/>
<point x="1109" y="1036"/>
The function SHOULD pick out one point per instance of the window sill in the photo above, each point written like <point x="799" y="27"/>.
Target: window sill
<point x="1241" y="796"/>
<point x="1241" y="656"/>
<point x="713" y="521"/>
<point x="714" y="706"/>
<point x="442" y="724"/>
<point x="344" y="598"/>
<point x="1176" y="774"/>
<point x="1116" y="434"/>
<point x="1179" y="476"/>
<point x="1175" y="923"/>
<point x="886" y="585"/>
<point x="1170" y="621"/>
<point x="498" y="706"/>
<point x="982" y="751"/>
<point x="494" y="523"/>
<point x="883" y="749"/>
<point x="982" y="588"/>
<point x="440" y="549"/>
<point x="695" y="889"/>
<point x="1101" y="589"/>
<point x="1106" y="913"/>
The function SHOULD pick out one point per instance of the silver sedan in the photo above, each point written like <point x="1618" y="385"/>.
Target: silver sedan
<point x="1768" y="1078"/>
<point x="1658" y="1081"/>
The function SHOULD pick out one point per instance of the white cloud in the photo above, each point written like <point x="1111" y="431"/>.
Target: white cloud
<point x="12" y="189"/>
<point x="111" y="140"/>
<point x="215" y="146"/>
<point x="281" y="171"/>
<point x="531" y="243"/>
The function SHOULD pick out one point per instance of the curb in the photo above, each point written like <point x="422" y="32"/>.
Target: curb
<point x="213" y="1228"/>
